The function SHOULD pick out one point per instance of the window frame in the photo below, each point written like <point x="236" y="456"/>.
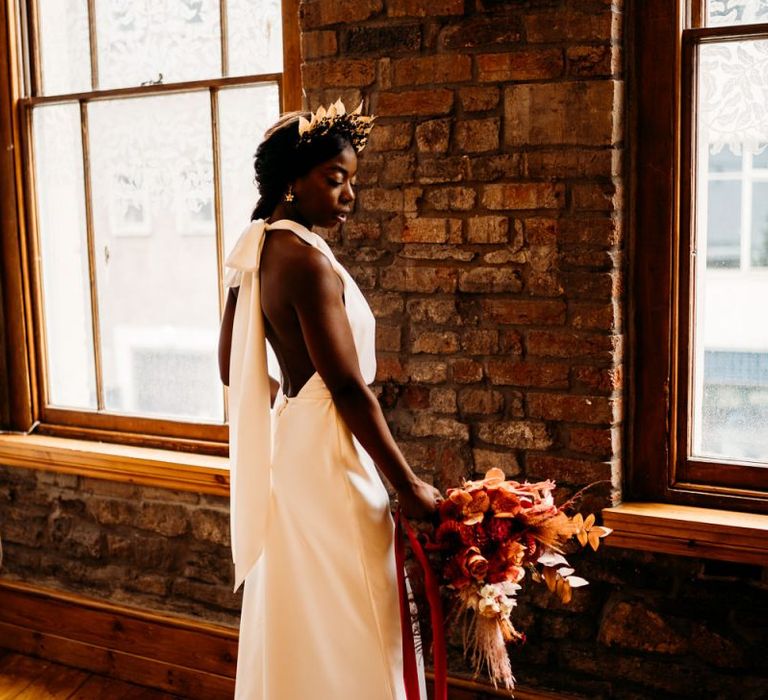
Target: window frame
<point x="22" y="367"/>
<point x="661" y="121"/>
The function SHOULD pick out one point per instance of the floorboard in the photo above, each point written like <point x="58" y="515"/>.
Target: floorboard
<point x="29" y="678"/>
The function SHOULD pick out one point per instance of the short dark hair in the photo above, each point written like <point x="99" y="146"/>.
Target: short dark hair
<point x="279" y="159"/>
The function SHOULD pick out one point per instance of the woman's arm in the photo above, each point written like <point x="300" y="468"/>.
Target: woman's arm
<point x="318" y="303"/>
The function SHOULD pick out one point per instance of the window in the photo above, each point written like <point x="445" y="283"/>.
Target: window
<point x="700" y="249"/>
<point x="137" y="124"/>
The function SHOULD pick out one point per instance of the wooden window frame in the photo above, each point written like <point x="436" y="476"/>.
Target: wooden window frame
<point x="663" y="87"/>
<point x="22" y="364"/>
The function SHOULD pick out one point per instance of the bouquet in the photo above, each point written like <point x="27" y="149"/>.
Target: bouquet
<point x="488" y="534"/>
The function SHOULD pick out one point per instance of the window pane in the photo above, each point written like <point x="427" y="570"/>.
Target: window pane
<point x="156" y="254"/>
<point x="760" y="224"/>
<point x="245" y="113"/>
<point x="64" y="250"/>
<point x="64" y="46"/>
<point x="139" y="41"/>
<point x="729" y="387"/>
<point x="727" y="12"/>
<point x="760" y="158"/>
<point x="723" y="239"/>
<point x="254" y="39"/>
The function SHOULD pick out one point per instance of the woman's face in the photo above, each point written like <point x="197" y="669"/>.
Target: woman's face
<point x="325" y="195"/>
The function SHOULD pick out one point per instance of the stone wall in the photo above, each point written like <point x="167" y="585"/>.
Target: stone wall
<point x="489" y="238"/>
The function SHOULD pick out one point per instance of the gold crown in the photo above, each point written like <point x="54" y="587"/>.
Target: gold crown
<point x="354" y="125"/>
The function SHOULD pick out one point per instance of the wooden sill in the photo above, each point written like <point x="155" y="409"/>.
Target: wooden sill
<point x="689" y="531"/>
<point x="185" y="471"/>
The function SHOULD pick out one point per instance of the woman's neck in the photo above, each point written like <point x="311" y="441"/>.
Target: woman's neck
<point x="285" y="210"/>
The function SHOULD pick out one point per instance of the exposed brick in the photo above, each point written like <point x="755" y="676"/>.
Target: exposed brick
<point x="341" y="73"/>
<point x="466" y="371"/>
<point x="488" y="459"/>
<point x="592" y="61"/>
<point x="524" y="311"/>
<point x="387" y="39"/>
<point x="357" y="230"/>
<point x="441" y="169"/>
<point x="599" y="442"/>
<point x="388" y="338"/>
<point x="482" y="31"/>
<point x="390" y="137"/>
<point x="427" y="70"/>
<point x="571" y="409"/>
<point x="320" y="13"/>
<point x="427" y="371"/>
<point x="525" y="435"/>
<point x="518" y="373"/>
<point x="604" y="380"/>
<point x="477" y="135"/>
<point x="426" y="425"/>
<point x="385" y="304"/>
<point x="426" y="230"/>
<point x="585" y="316"/>
<point x="442" y="400"/>
<point x="167" y="519"/>
<point x="497" y="167"/>
<point x="433" y="136"/>
<point x="434" y="342"/>
<point x="568" y="471"/>
<point x="480" y="341"/>
<point x="478" y="99"/>
<point x="570" y="25"/>
<point x="452" y="198"/>
<point x="596" y="286"/>
<point x="419" y="279"/>
<point x="530" y="64"/>
<point x="415" y="102"/>
<point x="442" y="311"/>
<point x="596" y="196"/>
<point x="211" y="525"/>
<point x="398" y="169"/>
<point x="390" y="369"/>
<point x="570" y="344"/>
<point x="510" y="341"/>
<point x="569" y="113"/>
<point x="487" y="229"/>
<point x="569" y="162"/>
<point x="524" y="195"/>
<point x="318" y="44"/>
<point x="490" y="279"/>
<point x="418" y="8"/>
<point x="376" y="199"/>
<point x="480" y="401"/>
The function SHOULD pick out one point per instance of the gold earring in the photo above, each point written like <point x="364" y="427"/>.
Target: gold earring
<point x="289" y="196"/>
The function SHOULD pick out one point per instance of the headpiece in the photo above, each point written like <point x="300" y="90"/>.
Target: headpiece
<point x="354" y="126"/>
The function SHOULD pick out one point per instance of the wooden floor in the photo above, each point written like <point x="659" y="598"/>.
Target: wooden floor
<point x="27" y="678"/>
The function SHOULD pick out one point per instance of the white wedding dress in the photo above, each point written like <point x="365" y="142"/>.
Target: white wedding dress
<point x="312" y="532"/>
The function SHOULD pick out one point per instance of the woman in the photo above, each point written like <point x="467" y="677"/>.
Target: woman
<point x="312" y="531"/>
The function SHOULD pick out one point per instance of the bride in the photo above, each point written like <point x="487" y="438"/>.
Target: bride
<point x="312" y="530"/>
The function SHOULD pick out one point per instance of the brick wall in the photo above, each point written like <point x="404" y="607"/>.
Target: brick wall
<point x="488" y="230"/>
<point x="489" y="239"/>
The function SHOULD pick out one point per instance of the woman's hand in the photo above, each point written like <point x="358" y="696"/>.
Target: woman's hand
<point x="419" y="500"/>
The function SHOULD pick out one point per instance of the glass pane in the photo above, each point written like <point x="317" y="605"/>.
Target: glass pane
<point x="254" y="39"/>
<point x="142" y="41"/>
<point x="760" y="159"/>
<point x="64" y="252"/>
<point x="156" y="254"/>
<point x="759" y="236"/>
<point x="245" y="113"/>
<point x="64" y="46"/>
<point x="724" y="223"/>
<point x="729" y="387"/>
<point x="727" y="12"/>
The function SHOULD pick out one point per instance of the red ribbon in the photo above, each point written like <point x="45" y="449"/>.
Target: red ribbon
<point x="431" y="585"/>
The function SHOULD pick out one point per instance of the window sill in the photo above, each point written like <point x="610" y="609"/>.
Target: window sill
<point x="148" y="466"/>
<point x="689" y="531"/>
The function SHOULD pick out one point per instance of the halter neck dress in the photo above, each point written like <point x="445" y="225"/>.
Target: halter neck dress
<point x="312" y="532"/>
